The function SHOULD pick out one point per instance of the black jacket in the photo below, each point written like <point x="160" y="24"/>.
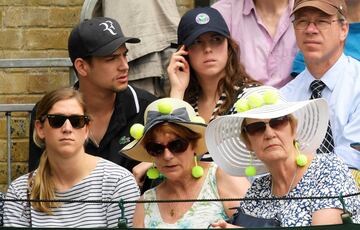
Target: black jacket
<point x="129" y="109"/>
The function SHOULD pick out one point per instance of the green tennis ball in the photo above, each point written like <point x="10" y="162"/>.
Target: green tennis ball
<point x="242" y="105"/>
<point x="164" y="107"/>
<point x="197" y="171"/>
<point x="255" y="100"/>
<point x="301" y="160"/>
<point x="198" y="119"/>
<point x="137" y="131"/>
<point x="250" y="171"/>
<point x="270" y="97"/>
<point x="152" y="173"/>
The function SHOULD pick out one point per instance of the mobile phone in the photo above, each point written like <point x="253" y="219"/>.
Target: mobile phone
<point x="355" y="145"/>
<point x="185" y="56"/>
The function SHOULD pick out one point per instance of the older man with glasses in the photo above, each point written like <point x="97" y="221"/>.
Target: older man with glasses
<point x="321" y="28"/>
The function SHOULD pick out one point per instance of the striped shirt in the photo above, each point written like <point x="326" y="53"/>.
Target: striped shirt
<point x="106" y="182"/>
<point x="219" y="103"/>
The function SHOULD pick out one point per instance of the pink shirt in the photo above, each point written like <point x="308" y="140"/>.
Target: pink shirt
<point x="267" y="59"/>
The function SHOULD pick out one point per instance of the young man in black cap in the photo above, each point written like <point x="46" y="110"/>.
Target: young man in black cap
<point x="98" y="52"/>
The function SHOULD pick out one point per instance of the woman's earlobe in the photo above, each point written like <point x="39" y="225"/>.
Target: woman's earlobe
<point x="39" y="129"/>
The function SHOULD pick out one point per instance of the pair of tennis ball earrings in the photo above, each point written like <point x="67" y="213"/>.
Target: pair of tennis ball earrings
<point x="137" y="132"/>
<point x="256" y="100"/>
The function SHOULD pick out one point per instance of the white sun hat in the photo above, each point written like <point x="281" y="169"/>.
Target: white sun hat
<point x="223" y="134"/>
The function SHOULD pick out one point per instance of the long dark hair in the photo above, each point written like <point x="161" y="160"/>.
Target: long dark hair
<point x="235" y="75"/>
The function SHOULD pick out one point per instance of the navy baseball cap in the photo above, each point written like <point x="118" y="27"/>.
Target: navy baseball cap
<point x="96" y="37"/>
<point x="198" y="21"/>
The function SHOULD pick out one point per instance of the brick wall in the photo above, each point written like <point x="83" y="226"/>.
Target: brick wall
<point x="34" y="29"/>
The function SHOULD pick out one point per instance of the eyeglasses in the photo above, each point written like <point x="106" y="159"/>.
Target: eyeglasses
<point x="175" y="146"/>
<point x="320" y="23"/>
<point x="57" y="121"/>
<point x="260" y="127"/>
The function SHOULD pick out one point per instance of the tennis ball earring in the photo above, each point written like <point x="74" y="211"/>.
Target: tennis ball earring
<point x="197" y="171"/>
<point x="301" y="159"/>
<point x="153" y="173"/>
<point x="250" y="170"/>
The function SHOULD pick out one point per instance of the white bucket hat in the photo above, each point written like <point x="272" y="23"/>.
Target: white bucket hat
<point x="170" y="110"/>
<point x="223" y="134"/>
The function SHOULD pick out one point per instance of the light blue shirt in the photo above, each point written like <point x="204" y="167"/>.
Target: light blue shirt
<point x="342" y="93"/>
<point x="352" y="48"/>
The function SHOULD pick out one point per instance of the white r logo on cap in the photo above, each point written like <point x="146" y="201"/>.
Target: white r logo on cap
<point x="109" y="27"/>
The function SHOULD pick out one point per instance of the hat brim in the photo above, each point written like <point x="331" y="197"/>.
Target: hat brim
<point x="112" y="46"/>
<point x="323" y="6"/>
<point x="229" y="151"/>
<point x="136" y="150"/>
<point x="191" y="38"/>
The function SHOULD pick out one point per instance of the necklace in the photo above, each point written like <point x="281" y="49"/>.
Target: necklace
<point x="172" y="212"/>
<point x="291" y="184"/>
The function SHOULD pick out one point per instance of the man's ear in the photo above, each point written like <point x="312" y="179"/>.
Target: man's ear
<point x="81" y="66"/>
<point x="344" y="31"/>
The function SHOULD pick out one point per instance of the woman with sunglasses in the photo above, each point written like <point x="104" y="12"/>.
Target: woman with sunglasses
<point x="278" y="141"/>
<point x="205" y="70"/>
<point x="67" y="172"/>
<point x="173" y="140"/>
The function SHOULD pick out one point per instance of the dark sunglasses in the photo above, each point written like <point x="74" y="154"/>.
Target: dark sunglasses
<point x="175" y="146"/>
<point x="57" y="121"/>
<point x="260" y="127"/>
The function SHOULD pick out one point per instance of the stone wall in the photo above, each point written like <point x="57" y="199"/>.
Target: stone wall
<point x="34" y="29"/>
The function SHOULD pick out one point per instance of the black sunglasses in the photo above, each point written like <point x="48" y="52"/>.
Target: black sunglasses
<point x="57" y="121"/>
<point x="260" y="127"/>
<point x="175" y="146"/>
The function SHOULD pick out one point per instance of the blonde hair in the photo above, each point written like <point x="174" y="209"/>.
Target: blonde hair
<point x="41" y="185"/>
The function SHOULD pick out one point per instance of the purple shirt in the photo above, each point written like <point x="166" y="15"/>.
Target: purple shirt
<point x="267" y="59"/>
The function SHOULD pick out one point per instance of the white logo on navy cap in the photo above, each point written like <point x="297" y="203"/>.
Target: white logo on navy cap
<point x="109" y="27"/>
<point x="202" y="19"/>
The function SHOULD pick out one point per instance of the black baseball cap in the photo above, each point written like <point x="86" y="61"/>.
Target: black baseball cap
<point x="198" y="21"/>
<point x="96" y="37"/>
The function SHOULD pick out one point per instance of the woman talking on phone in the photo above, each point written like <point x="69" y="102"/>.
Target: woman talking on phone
<point x="206" y="71"/>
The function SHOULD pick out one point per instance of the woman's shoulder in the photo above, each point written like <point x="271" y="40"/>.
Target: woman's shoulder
<point x="328" y="162"/>
<point x="108" y="169"/>
<point x="19" y="186"/>
<point x="328" y="170"/>
<point x="150" y="194"/>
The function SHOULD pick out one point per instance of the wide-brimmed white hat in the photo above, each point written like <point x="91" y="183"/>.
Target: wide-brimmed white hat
<point x="169" y="110"/>
<point x="223" y="134"/>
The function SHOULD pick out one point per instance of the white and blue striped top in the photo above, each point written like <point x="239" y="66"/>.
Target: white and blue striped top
<point x="106" y="182"/>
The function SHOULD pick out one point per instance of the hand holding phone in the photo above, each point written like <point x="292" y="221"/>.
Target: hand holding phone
<point x="183" y="48"/>
<point x="179" y="73"/>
